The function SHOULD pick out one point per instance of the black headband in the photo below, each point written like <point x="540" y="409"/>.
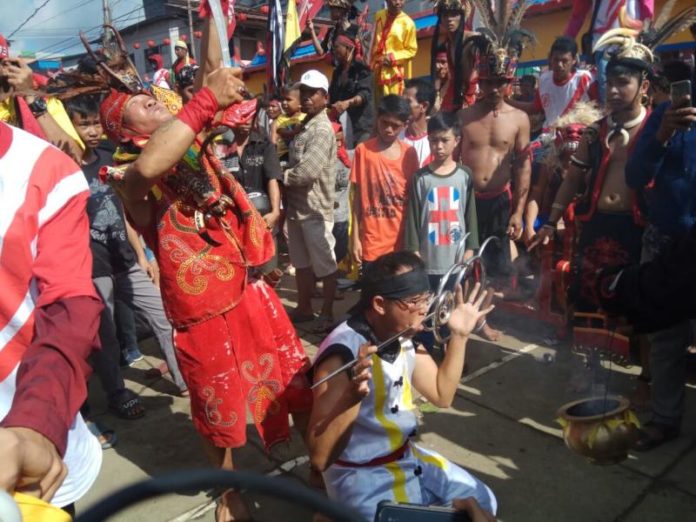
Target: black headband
<point x="407" y="284"/>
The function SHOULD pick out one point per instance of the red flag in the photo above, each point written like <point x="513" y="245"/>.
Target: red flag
<point x="307" y="9"/>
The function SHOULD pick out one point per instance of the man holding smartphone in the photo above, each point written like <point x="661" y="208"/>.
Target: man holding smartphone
<point x="666" y="156"/>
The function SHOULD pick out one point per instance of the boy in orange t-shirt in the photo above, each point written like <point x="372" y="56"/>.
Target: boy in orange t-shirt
<point x="382" y="169"/>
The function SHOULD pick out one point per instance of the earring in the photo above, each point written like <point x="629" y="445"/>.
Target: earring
<point x="644" y="100"/>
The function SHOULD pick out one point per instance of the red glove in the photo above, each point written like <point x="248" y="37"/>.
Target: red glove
<point x="239" y="113"/>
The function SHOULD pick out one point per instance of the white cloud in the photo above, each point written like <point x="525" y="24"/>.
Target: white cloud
<point x="55" y="28"/>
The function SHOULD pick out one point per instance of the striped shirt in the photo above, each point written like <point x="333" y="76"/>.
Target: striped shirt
<point x="44" y="259"/>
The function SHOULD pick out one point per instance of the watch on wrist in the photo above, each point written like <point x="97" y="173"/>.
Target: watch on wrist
<point x="38" y="107"/>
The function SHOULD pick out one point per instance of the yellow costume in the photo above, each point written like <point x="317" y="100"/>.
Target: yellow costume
<point x="394" y="39"/>
<point x="55" y="109"/>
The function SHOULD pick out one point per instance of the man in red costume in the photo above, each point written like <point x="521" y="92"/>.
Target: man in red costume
<point x="235" y="344"/>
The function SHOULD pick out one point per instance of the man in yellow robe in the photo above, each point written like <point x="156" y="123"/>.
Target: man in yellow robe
<point x="393" y="47"/>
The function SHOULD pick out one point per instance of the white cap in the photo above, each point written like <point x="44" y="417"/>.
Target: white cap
<point x="315" y="80"/>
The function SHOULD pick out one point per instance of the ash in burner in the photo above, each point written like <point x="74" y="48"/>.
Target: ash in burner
<point x="593" y="407"/>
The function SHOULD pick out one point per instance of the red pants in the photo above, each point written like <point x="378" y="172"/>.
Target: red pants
<point x="251" y="356"/>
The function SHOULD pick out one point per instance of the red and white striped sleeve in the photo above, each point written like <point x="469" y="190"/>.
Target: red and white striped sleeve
<point x="63" y="262"/>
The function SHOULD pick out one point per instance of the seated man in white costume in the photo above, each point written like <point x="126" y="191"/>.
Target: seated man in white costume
<point x="363" y="420"/>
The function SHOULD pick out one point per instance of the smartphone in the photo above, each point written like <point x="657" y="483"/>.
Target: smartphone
<point x="679" y="91"/>
<point x="394" y="512"/>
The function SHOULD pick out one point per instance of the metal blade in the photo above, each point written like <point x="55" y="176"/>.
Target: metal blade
<point x="220" y="20"/>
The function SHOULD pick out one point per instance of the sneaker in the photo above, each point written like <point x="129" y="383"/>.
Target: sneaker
<point x="131" y="357"/>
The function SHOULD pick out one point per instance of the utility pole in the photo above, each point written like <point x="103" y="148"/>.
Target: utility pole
<point x="106" y="40"/>
<point x="190" y="20"/>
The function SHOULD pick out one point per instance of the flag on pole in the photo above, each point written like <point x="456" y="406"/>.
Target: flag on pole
<point x="292" y="26"/>
<point x="275" y="45"/>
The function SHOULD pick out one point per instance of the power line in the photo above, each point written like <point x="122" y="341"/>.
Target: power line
<point x="57" y="44"/>
<point x="32" y="15"/>
<point x="65" y="11"/>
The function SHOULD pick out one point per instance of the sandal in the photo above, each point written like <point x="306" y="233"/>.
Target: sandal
<point x="654" y="434"/>
<point x="106" y="437"/>
<point x="157" y="371"/>
<point x="129" y="407"/>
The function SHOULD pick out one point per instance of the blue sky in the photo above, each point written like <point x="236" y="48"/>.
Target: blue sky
<point x="55" y="27"/>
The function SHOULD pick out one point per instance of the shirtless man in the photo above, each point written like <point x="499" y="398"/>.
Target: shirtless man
<point x="610" y="233"/>
<point x="495" y="137"/>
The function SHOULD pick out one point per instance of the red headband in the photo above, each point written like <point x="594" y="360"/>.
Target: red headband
<point x="111" y="114"/>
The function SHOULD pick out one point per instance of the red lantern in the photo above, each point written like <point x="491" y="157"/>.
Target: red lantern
<point x="151" y="43"/>
<point x="241" y="17"/>
<point x="136" y="45"/>
<point x="264" y="9"/>
<point x="166" y="41"/>
<point x="184" y="37"/>
<point x="198" y="34"/>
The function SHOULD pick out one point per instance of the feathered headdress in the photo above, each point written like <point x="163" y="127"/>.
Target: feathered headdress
<point x="106" y="69"/>
<point x="634" y="48"/>
<point x="464" y="6"/>
<point x="499" y="43"/>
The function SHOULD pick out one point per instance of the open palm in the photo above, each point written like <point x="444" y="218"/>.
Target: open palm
<point x="467" y="314"/>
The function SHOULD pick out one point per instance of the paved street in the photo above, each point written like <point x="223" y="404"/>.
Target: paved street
<point x="502" y="427"/>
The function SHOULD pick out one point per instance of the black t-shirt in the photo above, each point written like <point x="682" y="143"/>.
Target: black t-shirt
<point x="356" y="81"/>
<point x="111" y="251"/>
<point x="259" y="164"/>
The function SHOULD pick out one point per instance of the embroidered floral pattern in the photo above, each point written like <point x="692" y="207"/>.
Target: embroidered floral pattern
<point x="212" y="413"/>
<point x="190" y="275"/>
<point x="264" y="389"/>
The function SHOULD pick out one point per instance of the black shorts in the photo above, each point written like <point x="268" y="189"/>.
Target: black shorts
<point x="493" y="215"/>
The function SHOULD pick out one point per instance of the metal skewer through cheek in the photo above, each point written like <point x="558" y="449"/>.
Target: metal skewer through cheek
<point x="440" y="307"/>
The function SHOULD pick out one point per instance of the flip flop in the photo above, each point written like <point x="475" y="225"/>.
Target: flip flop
<point x="129" y="407"/>
<point x="106" y="437"/>
<point x="157" y="372"/>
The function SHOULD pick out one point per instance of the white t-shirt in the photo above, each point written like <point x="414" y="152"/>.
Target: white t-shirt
<point x="421" y="144"/>
<point x="557" y="99"/>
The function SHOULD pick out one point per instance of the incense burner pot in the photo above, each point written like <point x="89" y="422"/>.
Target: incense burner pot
<point x="601" y="429"/>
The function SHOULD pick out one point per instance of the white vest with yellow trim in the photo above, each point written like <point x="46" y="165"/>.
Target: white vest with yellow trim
<point x="386" y="417"/>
